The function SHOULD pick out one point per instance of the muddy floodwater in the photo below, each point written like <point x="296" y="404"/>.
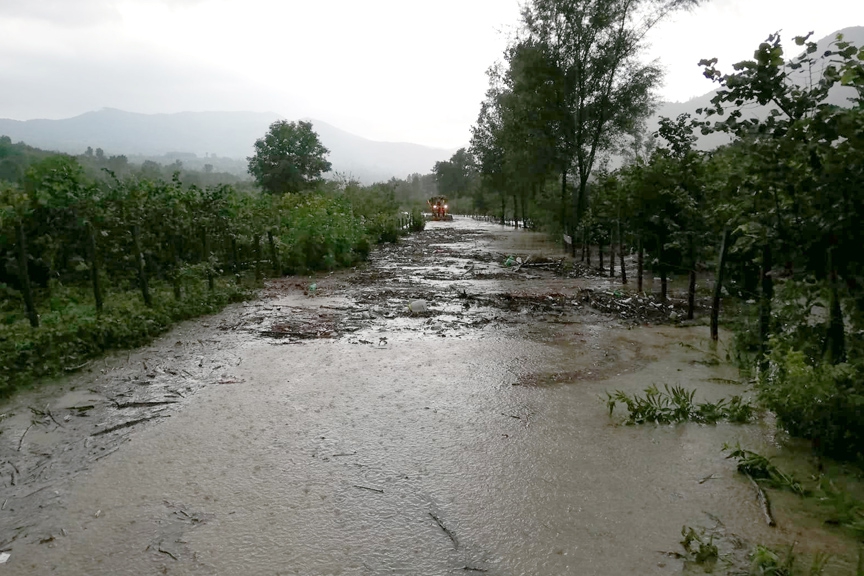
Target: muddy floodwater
<point x="346" y="428"/>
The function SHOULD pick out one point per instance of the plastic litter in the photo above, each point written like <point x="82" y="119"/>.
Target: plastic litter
<point x="312" y="288"/>
<point x="509" y="261"/>
<point x="417" y="307"/>
<point x="4" y="556"/>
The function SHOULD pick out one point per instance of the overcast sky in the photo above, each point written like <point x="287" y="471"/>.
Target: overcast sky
<point x="399" y="70"/>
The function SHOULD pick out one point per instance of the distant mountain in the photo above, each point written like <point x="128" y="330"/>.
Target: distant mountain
<point x="370" y="160"/>
<point x="839" y="94"/>
<point x="223" y="134"/>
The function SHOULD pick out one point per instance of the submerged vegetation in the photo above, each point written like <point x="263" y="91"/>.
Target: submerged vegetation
<point x="677" y="404"/>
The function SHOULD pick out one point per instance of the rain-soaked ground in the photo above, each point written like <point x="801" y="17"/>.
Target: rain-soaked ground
<point x="333" y="430"/>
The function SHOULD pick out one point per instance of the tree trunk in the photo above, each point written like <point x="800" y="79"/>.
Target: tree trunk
<point x="564" y="226"/>
<point x="274" y="255"/>
<point x="516" y="211"/>
<point x="235" y="259"/>
<point x="94" y="267"/>
<point x="835" y="343"/>
<point x="257" y="252"/>
<point x="640" y="266"/>
<point x="621" y="255"/>
<point x="612" y="254"/>
<point x="588" y="249"/>
<point x="207" y="255"/>
<point x="691" y="295"/>
<point x="24" y="276"/>
<point x="765" y="308"/>
<point x="178" y="265"/>
<point x="600" y="253"/>
<point x="584" y="240"/>
<point x="142" y="268"/>
<point x="718" y="286"/>
<point x="664" y="278"/>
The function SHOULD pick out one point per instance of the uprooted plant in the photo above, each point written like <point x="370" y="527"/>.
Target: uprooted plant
<point x="762" y="469"/>
<point x="698" y="548"/>
<point x="676" y="404"/>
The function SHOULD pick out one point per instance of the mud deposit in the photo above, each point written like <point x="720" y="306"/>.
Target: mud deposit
<point x="348" y="429"/>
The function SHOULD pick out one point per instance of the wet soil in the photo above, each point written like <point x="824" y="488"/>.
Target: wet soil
<point x="337" y="425"/>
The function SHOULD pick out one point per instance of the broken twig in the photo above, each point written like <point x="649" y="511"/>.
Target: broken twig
<point x="446" y="531"/>
<point x="144" y="404"/>
<point x="21" y="441"/>
<point x="125" y="425"/>
<point x="368" y="488"/>
<point x="764" y="503"/>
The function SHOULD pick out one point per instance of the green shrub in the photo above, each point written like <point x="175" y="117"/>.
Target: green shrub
<point x="319" y="232"/>
<point x="822" y="403"/>
<point x="73" y="333"/>
<point x="418" y="222"/>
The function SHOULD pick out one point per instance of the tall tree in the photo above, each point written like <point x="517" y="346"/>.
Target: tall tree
<point x="596" y="45"/>
<point x="289" y="158"/>
<point x="454" y="177"/>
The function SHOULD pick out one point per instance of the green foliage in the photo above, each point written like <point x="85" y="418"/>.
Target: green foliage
<point x="760" y="468"/>
<point x="767" y="562"/>
<point x="289" y="158"/>
<point x="72" y="332"/>
<point x="89" y="245"/>
<point x="841" y="506"/>
<point x="376" y="206"/>
<point x="676" y="404"/>
<point x="320" y="232"/>
<point x="698" y="549"/>
<point x="822" y="402"/>
<point x="418" y="222"/>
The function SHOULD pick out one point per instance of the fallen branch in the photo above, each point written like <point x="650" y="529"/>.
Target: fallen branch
<point x="125" y="425"/>
<point x="370" y="489"/>
<point x="764" y="503"/>
<point x="106" y="454"/>
<point x="21" y="441"/>
<point x="144" y="404"/>
<point x="446" y="531"/>
<point x="50" y="415"/>
<point x="74" y="368"/>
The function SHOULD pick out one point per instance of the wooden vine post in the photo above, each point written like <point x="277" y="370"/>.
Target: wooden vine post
<point x="24" y="275"/>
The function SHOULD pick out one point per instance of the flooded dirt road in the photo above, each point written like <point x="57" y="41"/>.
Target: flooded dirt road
<point x="346" y="428"/>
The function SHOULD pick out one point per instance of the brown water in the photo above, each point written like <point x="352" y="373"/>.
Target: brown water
<point x="393" y="444"/>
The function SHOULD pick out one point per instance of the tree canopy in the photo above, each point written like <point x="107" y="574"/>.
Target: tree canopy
<point x="289" y="158"/>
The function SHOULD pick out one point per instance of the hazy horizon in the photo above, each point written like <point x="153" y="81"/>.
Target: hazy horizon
<point x="384" y="71"/>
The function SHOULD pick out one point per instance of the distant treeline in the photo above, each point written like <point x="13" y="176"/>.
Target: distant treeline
<point x="15" y="158"/>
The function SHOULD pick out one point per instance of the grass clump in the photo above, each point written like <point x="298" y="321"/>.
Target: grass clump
<point x="697" y="549"/>
<point x="767" y="562"/>
<point x="676" y="404"/>
<point x="73" y="332"/>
